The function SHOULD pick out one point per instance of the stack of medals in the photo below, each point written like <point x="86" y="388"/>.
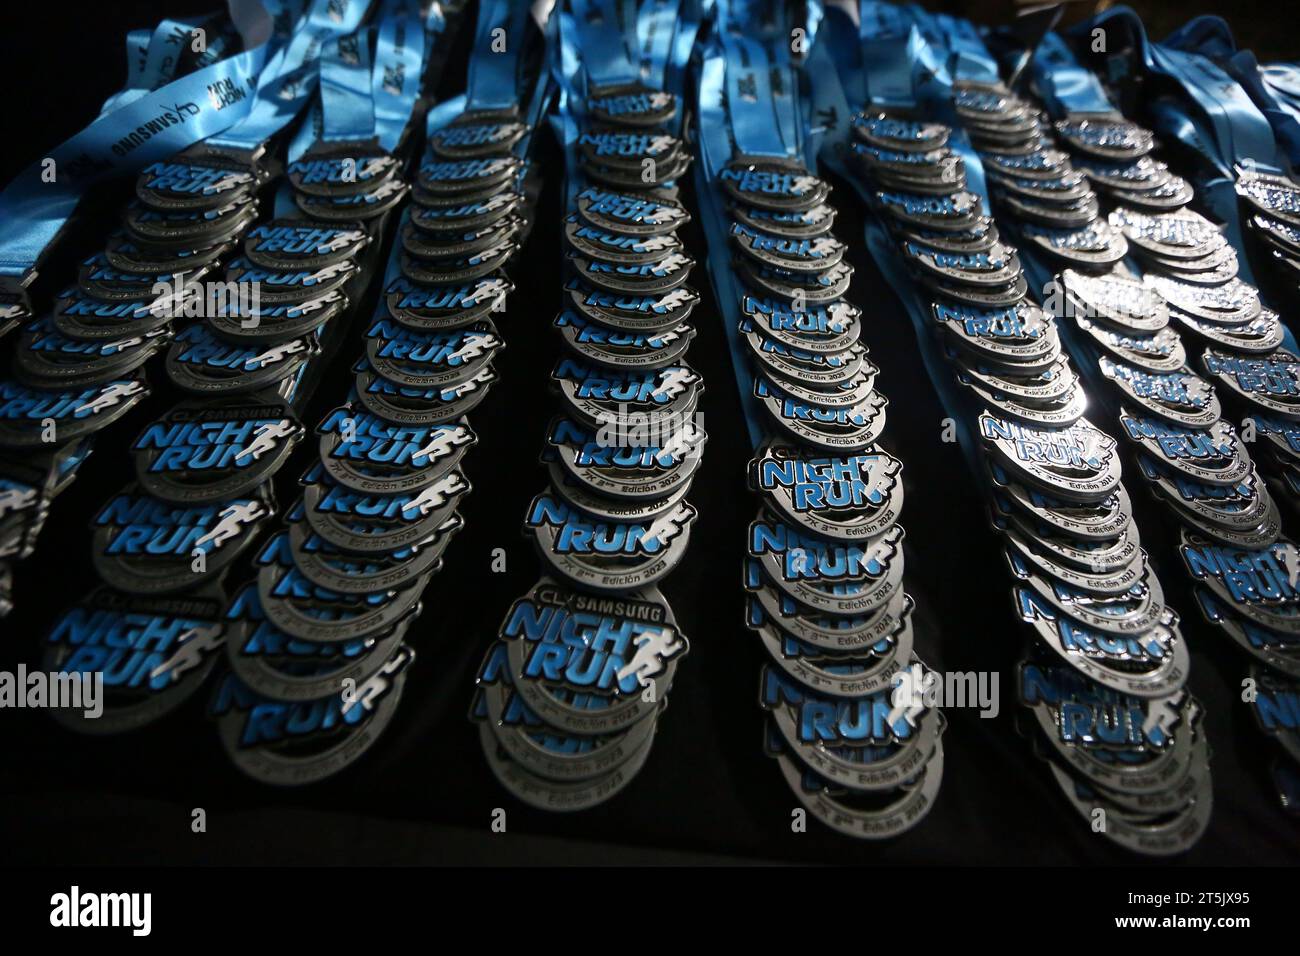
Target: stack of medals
<point x="161" y="545"/>
<point x="1107" y="645"/>
<point x="569" y="696"/>
<point x="315" y="645"/>
<point x="824" y="572"/>
<point x="317" y="652"/>
<point x="1195" y="461"/>
<point x="80" y="368"/>
<point x="1116" y="726"/>
<point x="164" y="544"/>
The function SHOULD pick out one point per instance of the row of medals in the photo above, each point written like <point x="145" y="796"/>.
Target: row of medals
<point x="1228" y="487"/>
<point x="1108" y="648"/>
<point x="343" y="580"/>
<point x="567" y="717"/>
<point x="81" y="365"/>
<point x="847" y="720"/>
<point x="1143" y="329"/>
<point x="243" y="366"/>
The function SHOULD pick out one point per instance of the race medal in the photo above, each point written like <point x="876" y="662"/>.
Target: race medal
<point x="29" y="417"/>
<point x="276" y="285"/>
<point x="1159" y="352"/>
<point x="291" y="743"/>
<point x="1149" y="664"/>
<point x="1273" y="195"/>
<point x="1262" y="334"/>
<point x="1232" y="303"/>
<point x="83" y="318"/>
<point x="632" y="312"/>
<point x="632" y="350"/>
<point x="842" y="675"/>
<point x="297" y="244"/>
<point x="1106" y="137"/>
<point x="541" y="751"/>
<point x="608" y="556"/>
<point x="1213" y="455"/>
<point x="478" y="133"/>
<point x="367" y="524"/>
<point x="284" y="668"/>
<point x="1270" y="381"/>
<point x="836" y="429"/>
<point x="629" y="214"/>
<point x="302" y="609"/>
<point x="565" y="645"/>
<point x="1124" y="303"/>
<point x="631" y="105"/>
<point x="1278" y="650"/>
<point x="152" y="653"/>
<point x="827" y="576"/>
<point x="201" y="453"/>
<point x="773" y="185"/>
<point x="854" y="742"/>
<point x="407" y="405"/>
<point x="1257" y="584"/>
<point x="1078" y="462"/>
<point x="144" y="545"/>
<point x="429" y="360"/>
<point x="1092" y="246"/>
<point x="433" y="307"/>
<point x="276" y="323"/>
<point x="201" y="364"/>
<point x="890" y="131"/>
<point x="182" y="185"/>
<point x="368" y="454"/>
<point x="595" y="242"/>
<point x="1022" y="335"/>
<point x="598" y="396"/>
<point x="1181" y="397"/>
<point x="816" y="328"/>
<point x="845" y="498"/>
<point x="659" y="467"/>
<point x="341" y="169"/>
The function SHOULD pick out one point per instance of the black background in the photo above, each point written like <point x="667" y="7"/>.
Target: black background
<point x="707" y="793"/>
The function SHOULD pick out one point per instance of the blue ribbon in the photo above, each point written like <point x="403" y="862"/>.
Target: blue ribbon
<point x="347" y="109"/>
<point x="1063" y="83"/>
<point x="716" y="153"/>
<point x="1239" y="130"/>
<point x="601" y="28"/>
<point x="750" y="102"/>
<point x="656" y="26"/>
<point x="1275" y="90"/>
<point x="292" y="74"/>
<point x="493" y="76"/>
<point x="367" y="95"/>
<point x="148" y="128"/>
<point x="152" y="58"/>
<point x="888" y="41"/>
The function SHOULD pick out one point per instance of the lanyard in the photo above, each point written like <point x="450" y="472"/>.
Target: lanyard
<point x="1239" y="130"/>
<point x="888" y="54"/>
<point x="152" y="58"/>
<point x="656" y="27"/>
<point x="493" y="68"/>
<point x="149" y="127"/>
<point x="293" y="74"/>
<point x="1274" y="90"/>
<point x="601" y="27"/>
<point x="1065" y="85"/>
<point x="970" y="59"/>
<point x="750" y="101"/>
<point x="369" y="81"/>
